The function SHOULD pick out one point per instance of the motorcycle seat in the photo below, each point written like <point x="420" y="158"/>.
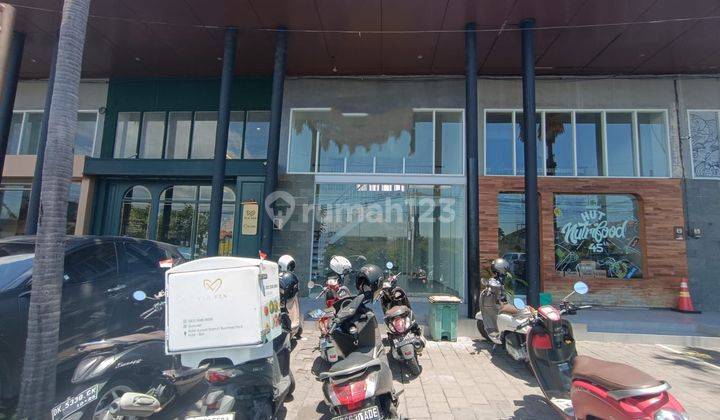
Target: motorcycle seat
<point x="362" y="358"/>
<point x="125" y="340"/>
<point x="396" y="311"/>
<point x="508" y="309"/>
<point x="619" y="379"/>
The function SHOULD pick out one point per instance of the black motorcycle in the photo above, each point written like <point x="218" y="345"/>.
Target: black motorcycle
<point x="131" y="363"/>
<point x="404" y="334"/>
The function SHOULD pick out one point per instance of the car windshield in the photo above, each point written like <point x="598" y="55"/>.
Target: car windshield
<point x="14" y="248"/>
<point x="14" y="269"/>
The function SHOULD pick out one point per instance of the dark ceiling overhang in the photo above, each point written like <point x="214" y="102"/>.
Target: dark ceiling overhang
<point x="183" y="38"/>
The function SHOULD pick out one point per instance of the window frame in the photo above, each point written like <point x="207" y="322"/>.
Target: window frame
<point x="24" y="113"/>
<point x="374" y="173"/>
<point x="603" y="118"/>
<point x="689" y="136"/>
<point x="167" y="112"/>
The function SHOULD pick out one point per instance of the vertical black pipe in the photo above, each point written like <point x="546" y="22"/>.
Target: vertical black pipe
<point x="532" y="211"/>
<point x="221" y="141"/>
<point x="7" y="97"/>
<point x="473" y="190"/>
<point x="271" y="168"/>
<point x="34" y="204"/>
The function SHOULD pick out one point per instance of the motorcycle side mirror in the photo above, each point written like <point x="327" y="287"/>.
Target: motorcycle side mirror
<point x="311" y="284"/>
<point x="389" y="265"/>
<point x="139" y="295"/>
<point x="581" y="288"/>
<point x="519" y="303"/>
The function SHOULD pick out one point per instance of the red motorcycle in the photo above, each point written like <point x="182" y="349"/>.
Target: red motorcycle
<point x="581" y="387"/>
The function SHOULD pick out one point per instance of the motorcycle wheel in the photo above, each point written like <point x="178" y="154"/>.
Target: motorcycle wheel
<point x="111" y="391"/>
<point x="298" y="334"/>
<point x="414" y="366"/>
<point x="292" y="385"/>
<point x="481" y="329"/>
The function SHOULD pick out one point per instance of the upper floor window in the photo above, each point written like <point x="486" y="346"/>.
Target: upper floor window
<point x="705" y="143"/>
<point x="189" y="135"/>
<point x="25" y="133"/>
<point x="400" y="141"/>
<point x="581" y="143"/>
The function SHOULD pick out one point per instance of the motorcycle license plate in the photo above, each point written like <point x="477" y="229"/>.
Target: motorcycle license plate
<point x="74" y="403"/>
<point x="370" y="413"/>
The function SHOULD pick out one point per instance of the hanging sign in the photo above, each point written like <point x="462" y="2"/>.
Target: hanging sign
<point x="250" y="215"/>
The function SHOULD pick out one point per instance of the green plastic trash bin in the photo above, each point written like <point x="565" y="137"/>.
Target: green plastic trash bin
<point x="545" y="299"/>
<point x="443" y="317"/>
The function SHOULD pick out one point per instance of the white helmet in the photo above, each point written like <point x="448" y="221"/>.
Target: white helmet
<point x="340" y="264"/>
<point x="286" y="263"/>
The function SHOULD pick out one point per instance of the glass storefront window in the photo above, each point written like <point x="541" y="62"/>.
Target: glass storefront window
<point x="183" y="219"/>
<point x="705" y="143"/>
<point x="135" y="212"/>
<point x="520" y="144"/>
<point x="420" y="228"/>
<point x="511" y="237"/>
<point x="14" y="201"/>
<point x="85" y="138"/>
<point x="620" y="149"/>
<point x="588" y="129"/>
<point x="26" y="126"/>
<point x="257" y="133"/>
<point x="401" y="141"/>
<point x="653" y="144"/>
<point x="235" y="135"/>
<point x="178" y="135"/>
<point x="598" y="235"/>
<point x="126" y="135"/>
<point x="559" y="144"/>
<point x="498" y="143"/>
<point x="151" y="135"/>
<point x="203" y="139"/>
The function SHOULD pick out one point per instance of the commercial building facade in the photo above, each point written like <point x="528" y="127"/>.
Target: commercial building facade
<point x="373" y="158"/>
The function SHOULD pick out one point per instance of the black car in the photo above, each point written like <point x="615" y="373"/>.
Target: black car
<point x="101" y="273"/>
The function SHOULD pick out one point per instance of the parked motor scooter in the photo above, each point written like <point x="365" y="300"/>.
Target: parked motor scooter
<point x="289" y="302"/>
<point x="360" y="385"/>
<point x="581" y="387"/>
<point x="131" y="363"/>
<point x="498" y="320"/>
<point x="404" y="334"/>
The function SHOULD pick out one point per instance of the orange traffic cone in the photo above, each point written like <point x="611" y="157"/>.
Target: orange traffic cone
<point x="684" y="301"/>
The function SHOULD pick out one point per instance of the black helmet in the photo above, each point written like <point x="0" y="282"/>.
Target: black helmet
<point x="367" y="278"/>
<point x="499" y="266"/>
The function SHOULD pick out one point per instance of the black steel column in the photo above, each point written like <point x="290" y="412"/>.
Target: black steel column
<point x="271" y="169"/>
<point x="7" y="96"/>
<point x="532" y="212"/>
<point x="34" y="204"/>
<point x="221" y="141"/>
<point x="473" y="191"/>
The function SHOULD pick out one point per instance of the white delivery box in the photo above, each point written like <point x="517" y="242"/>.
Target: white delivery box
<point x="222" y="307"/>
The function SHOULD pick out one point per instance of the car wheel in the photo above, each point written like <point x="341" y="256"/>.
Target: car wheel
<point x="111" y="391"/>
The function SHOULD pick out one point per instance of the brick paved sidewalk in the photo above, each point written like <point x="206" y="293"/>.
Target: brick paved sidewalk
<point x="466" y="380"/>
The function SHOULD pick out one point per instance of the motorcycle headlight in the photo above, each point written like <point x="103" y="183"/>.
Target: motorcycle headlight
<point x="670" y="414"/>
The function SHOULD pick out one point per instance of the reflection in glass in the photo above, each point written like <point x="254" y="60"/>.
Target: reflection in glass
<point x="14" y="201"/>
<point x="588" y="129"/>
<point x="511" y="237"/>
<point x="420" y="228"/>
<point x="15" y="131"/>
<point x="498" y="143"/>
<point x="620" y="150"/>
<point x="559" y="143"/>
<point x="31" y="133"/>
<point x="420" y="159"/>
<point x="235" y="135"/>
<point x="257" y="134"/>
<point x="520" y="144"/>
<point x="204" y="130"/>
<point x="135" y="212"/>
<point x="126" y="135"/>
<point x="705" y="144"/>
<point x="652" y="140"/>
<point x="85" y="138"/>
<point x="304" y="131"/>
<point x="72" y="209"/>
<point x="598" y="235"/>
<point x="178" y="135"/>
<point x="449" y="142"/>
<point x="152" y="134"/>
